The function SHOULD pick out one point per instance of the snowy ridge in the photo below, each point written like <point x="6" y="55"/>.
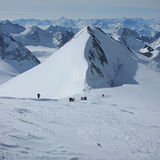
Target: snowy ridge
<point x="130" y="38"/>
<point x="8" y="27"/>
<point x="16" y="54"/>
<point x="54" y="37"/>
<point x="14" y="58"/>
<point x="90" y="60"/>
<point x="35" y="36"/>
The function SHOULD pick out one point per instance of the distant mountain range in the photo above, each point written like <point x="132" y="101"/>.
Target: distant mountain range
<point x="134" y="33"/>
<point x="145" y="27"/>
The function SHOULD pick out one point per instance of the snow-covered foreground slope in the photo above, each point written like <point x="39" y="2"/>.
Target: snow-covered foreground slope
<point x="122" y="125"/>
<point x="90" y="60"/>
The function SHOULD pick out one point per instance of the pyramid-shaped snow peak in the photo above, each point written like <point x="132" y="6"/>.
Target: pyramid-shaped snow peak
<point x="129" y="38"/>
<point x="91" y="59"/>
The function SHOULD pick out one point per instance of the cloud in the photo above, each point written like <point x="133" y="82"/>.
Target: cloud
<point x="72" y="3"/>
<point x="78" y="8"/>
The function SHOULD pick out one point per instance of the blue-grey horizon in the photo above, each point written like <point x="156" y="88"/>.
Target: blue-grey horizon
<point x="53" y="9"/>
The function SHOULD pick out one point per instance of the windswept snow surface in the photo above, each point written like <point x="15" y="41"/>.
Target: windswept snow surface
<point x="122" y="125"/>
<point x="90" y="60"/>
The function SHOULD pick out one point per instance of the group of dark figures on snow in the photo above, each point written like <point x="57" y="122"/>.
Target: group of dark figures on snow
<point x="70" y="99"/>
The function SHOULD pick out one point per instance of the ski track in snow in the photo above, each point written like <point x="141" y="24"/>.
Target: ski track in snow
<point x="96" y="129"/>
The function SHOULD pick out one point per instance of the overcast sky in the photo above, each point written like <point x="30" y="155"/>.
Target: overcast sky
<point x="53" y="9"/>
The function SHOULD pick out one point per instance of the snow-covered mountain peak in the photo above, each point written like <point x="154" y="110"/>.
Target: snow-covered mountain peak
<point x="50" y="29"/>
<point x="123" y="32"/>
<point x="54" y="37"/>
<point x="6" y="22"/>
<point x="16" y="54"/>
<point x="35" y="36"/>
<point x="8" y="27"/>
<point x="14" y="58"/>
<point x="90" y="60"/>
<point x="92" y="31"/>
<point x="129" y="38"/>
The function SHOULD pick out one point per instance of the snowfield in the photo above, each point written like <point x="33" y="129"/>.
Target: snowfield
<point x="115" y="127"/>
<point x="122" y="125"/>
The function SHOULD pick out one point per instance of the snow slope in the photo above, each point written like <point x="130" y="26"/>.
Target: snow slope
<point x="90" y="60"/>
<point x="122" y="125"/>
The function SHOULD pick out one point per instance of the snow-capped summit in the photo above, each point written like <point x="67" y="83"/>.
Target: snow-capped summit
<point x="52" y="37"/>
<point x="35" y="36"/>
<point x="8" y="27"/>
<point x="140" y="25"/>
<point x="130" y="38"/>
<point x="90" y="60"/>
<point x="62" y="21"/>
<point x="60" y="35"/>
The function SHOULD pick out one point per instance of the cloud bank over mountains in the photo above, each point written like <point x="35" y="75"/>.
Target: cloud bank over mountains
<point x="88" y="9"/>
